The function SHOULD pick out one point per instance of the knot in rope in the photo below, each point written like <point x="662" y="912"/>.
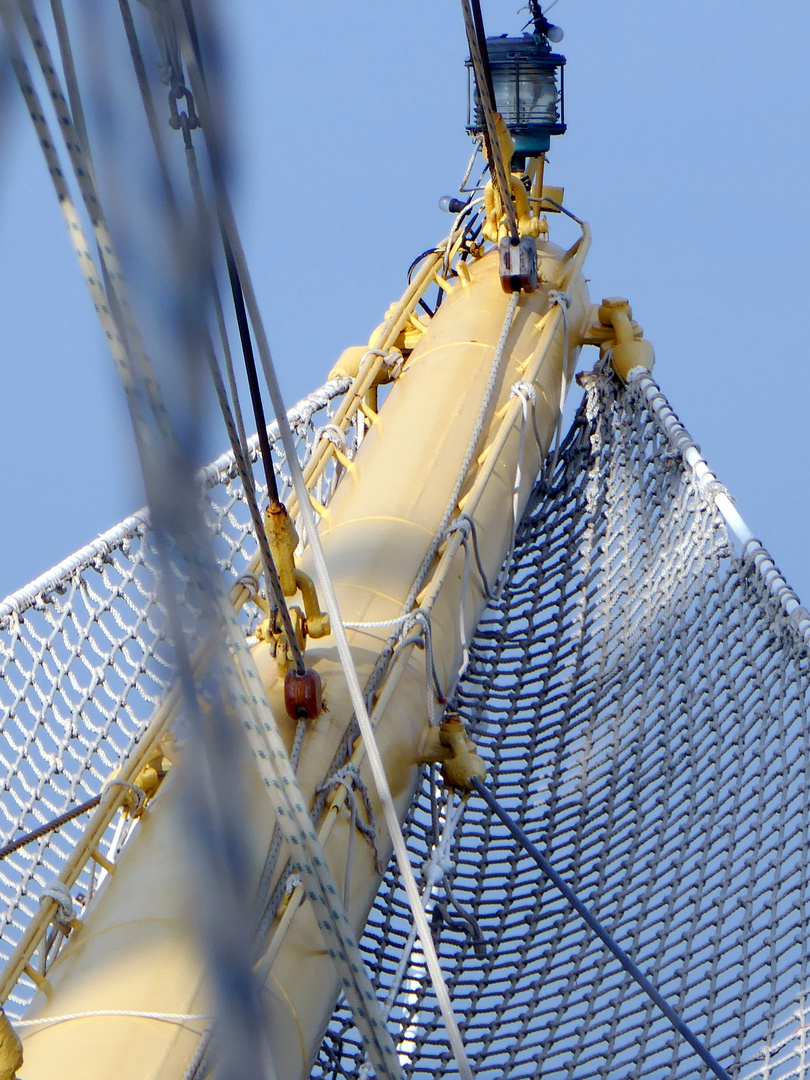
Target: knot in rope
<point x="395" y="364"/>
<point x="715" y="487"/>
<point x="525" y="391"/>
<point x="436" y="867"/>
<point x="465" y="525"/>
<point x="557" y="296"/>
<point x="250" y="583"/>
<point x="349" y="777"/>
<point x="139" y="793"/>
<point x="420" y="618"/>
<point x="65" y="911"/>
<point x="333" y="434"/>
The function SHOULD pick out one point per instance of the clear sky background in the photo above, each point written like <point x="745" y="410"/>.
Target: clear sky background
<point x="687" y="152"/>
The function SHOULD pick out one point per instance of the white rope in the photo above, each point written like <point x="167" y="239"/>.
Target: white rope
<point x="169" y="1018"/>
<point x="563" y="301"/>
<point x="475" y="436"/>
<point x="644" y="386"/>
<point x="65" y="911"/>
<point x="339" y="633"/>
<point x="139" y="793"/>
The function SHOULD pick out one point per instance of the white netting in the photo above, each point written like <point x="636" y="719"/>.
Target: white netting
<point x="83" y="666"/>
<point x="640" y="694"/>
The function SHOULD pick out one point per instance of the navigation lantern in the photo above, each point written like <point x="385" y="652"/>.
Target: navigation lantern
<point x="528" y="94"/>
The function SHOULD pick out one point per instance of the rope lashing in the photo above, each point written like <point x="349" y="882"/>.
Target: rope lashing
<point x="333" y="434"/>
<point x="349" y="777"/>
<point x="528" y="394"/>
<point x="65" y="911"/>
<point x="250" y="583"/>
<point x="467" y="527"/>
<point x="139" y="793"/>
<point x="593" y="923"/>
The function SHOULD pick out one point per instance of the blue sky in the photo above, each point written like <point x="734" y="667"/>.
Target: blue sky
<point x="686" y="151"/>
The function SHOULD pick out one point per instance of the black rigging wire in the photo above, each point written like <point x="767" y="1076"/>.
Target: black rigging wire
<point x="252" y="375"/>
<point x="233" y="423"/>
<point x="478" y="22"/>
<point x="476" y="39"/>
<point x="593" y="923"/>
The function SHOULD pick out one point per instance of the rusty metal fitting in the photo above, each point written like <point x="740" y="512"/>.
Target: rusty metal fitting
<point x="462" y="765"/>
<point x="283" y="540"/>
<point x="303" y="695"/>
<point x="450" y="746"/>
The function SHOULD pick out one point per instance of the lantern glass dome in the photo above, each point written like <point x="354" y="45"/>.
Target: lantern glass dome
<point x="529" y="94"/>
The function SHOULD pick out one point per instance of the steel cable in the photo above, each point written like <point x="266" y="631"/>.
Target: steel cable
<point x="593" y="923"/>
<point x="474" y="26"/>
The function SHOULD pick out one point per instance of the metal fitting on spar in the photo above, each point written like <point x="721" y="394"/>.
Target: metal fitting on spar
<point x="283" y="540"/>
<point x="613" y="329"/>
<point x="450" y="746"/>
<point x="11" y="1052"/>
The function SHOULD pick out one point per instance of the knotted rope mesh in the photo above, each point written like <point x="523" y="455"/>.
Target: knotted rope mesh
<point x="640" y="698"/>
<point x="84" y="664"/>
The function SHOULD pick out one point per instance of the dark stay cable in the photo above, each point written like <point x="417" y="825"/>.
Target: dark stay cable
<point x="248" y="486"/>
<point x="49" y="826"/>
<point x="594" y="924"/>
<point x="252" y="376"/>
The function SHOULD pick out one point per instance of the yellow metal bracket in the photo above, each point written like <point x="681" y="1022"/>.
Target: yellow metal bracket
<point x="450" y="746"/>
<point x="312" y="621"/>
<point x="495" y="226"/>
<point x="614" y="330"/>
<point x="11" y="1053"/>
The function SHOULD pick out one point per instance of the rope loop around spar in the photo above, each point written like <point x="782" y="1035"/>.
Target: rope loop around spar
<point x="333" y="434"/>
<point x="65" y="912"/>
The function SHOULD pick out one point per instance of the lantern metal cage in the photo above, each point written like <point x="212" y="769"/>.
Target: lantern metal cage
<point x="528" y="94"/>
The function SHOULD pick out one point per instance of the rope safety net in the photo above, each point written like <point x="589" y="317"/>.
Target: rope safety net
<point x="84" y="664"/>
<point x="639" y="692"/>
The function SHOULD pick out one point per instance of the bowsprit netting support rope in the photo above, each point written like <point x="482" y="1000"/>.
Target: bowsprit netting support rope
<point x="640" y="692"/>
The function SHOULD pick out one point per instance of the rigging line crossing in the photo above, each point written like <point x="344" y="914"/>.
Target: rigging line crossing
<point x="228" y="223"/>
<point x="474" y="26"/>
<point x="236" y="434"/>
<point x="255" y="1056"/>
<point x="123" y="339"/>
<point x="310" y="863"/>
<point x="375" y="759"/>
<point x="233" y="424"/>
<point x="249" y="487"/>
<point x="629" y="966"/>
